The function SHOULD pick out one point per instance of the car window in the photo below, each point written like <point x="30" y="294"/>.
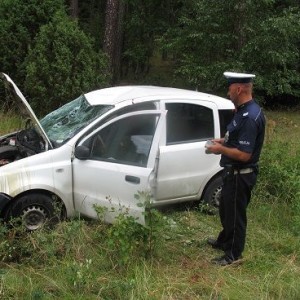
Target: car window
<point x="225" y="117"/>
<point x="188" y="122"/>
<point x="151" y="105"/>
<point x="136" y="107"/>
<point x="126" y="141"/>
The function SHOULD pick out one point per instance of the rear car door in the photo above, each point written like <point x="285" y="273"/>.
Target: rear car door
<point x="122" y="155"/>
<point x="184" y="168"/>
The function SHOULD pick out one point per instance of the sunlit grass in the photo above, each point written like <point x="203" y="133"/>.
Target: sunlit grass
<point x="10" y="122"/>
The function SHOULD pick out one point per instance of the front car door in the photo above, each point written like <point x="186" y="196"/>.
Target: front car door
<point x="122" y="156"/>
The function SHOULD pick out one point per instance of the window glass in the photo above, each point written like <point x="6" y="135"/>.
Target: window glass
<point x="188" y="122"/>
<point x="122" y="111"/>
<point x="63" y="123"/>
<point x="225" y="116"/>
<point x="126" y="141"/>
<point x="132" y="108"/>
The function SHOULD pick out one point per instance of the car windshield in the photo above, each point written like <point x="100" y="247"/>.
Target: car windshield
<point x="63" y="123"/>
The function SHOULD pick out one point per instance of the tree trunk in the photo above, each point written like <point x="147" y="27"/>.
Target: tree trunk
<point x="241" y="7"/>
<point x="113" y="36"/>
<point x="74" y="11"/>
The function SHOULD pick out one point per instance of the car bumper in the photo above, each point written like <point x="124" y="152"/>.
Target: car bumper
<point x="4" y="200"/>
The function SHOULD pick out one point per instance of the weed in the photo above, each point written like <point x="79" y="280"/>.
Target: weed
<point x="128" y="238"/>
<point x="207" y="208"/>
<point x="100" y="211"/>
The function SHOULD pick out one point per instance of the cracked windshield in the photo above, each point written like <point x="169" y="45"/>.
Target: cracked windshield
<point x="63" y="123"/>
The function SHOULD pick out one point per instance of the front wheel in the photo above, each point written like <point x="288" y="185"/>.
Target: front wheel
<point x="212" y="193"/>
<point x="35" y="211"/>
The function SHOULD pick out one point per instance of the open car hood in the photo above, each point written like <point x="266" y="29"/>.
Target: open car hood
<point x="24" y="107"/>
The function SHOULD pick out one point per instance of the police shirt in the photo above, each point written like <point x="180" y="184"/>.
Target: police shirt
<point x="246" y="133"/>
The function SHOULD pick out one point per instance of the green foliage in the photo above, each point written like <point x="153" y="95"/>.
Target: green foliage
<point x="19" y="23"/>
<point x="279" y="174"/>
<point x="14" y="246"/>
<point x="279" y="179"/>
<point x="276" y="44"/>
<point x="198" y="39"/>
<point x="144" y="22"/>
<point x="127" y="238"/>
<point x="62" y="64"/>
<point x="252" y="36"/>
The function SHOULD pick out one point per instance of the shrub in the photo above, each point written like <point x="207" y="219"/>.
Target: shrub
<point x="19" y="23"/>
<point x="62" y="64"/>
<point x="279" y="178"/>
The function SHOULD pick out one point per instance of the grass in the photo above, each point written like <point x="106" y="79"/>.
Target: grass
<point x="74" y="261"/>
<point x="9" y="122"/>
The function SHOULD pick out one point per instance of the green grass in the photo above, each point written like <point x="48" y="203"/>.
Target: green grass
<point x="75" y="261"/>
<point x="9" y="123"/>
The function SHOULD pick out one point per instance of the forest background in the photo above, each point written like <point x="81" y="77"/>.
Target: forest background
<point x="55" y="50"/>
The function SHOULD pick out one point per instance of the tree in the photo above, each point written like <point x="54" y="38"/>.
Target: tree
<point x="19" y="23"/>
<point x="145" y="22"/>
<point x="248" y="36"/>
<point x="113" y="35"/>
<point x="74" y="9"/>
<point x="275" y="49"/>
<point x="62" y="64"/>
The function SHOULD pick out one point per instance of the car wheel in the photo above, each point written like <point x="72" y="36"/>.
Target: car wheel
<point x="35" y="211"/>
<point x="212" y="192"/>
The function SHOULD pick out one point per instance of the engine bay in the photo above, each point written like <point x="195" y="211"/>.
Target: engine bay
<point x="19" y="145"/>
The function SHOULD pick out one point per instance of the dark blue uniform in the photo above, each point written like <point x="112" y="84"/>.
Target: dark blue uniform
<point x="246" y="133"/>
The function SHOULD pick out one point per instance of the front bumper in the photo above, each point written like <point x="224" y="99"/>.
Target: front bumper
<point x="4" y="200"/>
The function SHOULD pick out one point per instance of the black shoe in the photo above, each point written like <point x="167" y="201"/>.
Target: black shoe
<point x="214" y="243"/>
<point x="225" y="260"/>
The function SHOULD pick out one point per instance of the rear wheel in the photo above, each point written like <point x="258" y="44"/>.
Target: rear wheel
<point x="212" y="192"/>
<point x="35" y="211"/>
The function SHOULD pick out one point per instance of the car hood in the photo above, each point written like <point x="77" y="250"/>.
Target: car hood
<point x="24" y="108"/>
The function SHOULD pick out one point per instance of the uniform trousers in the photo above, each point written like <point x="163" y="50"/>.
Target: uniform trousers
<point x="235" y="197"/>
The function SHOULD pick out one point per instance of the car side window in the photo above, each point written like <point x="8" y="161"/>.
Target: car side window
<point x="151" y="105"/>
<point x="188" y="123"/>
<point x="225" y="117"/>
<point x="126" y="141"/>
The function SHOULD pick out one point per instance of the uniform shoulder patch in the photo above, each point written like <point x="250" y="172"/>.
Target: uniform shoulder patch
<point x="245" y="114"/>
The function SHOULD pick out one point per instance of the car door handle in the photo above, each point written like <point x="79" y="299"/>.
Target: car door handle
<point x="132" y="179"/>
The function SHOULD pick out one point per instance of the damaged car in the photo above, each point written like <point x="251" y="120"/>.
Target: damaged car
<point x="104" y="147"/>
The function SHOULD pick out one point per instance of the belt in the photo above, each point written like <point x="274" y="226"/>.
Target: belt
<point x="243" y="171"/>
<point x="235" y="171"/>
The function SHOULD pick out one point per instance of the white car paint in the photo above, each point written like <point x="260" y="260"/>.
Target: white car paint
<point x="173" y="172"/>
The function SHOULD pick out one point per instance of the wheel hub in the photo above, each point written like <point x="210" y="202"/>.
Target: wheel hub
<point x="34" y="217"/>
<point x="216" y="196"/>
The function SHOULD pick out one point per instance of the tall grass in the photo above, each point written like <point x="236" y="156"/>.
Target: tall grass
<point x="77" y="260"/>
<point x="10" y="122"/>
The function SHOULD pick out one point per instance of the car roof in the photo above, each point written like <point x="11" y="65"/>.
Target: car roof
<point x="139" y="93"/>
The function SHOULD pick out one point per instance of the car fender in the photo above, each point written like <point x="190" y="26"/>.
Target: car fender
<point x="207" y="180"/>
<point x="49" y="171"/>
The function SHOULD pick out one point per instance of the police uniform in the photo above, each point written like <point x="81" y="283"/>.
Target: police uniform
<point x="246" y="133"/>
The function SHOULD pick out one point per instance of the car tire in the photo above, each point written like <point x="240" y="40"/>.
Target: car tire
<point x="212" y="192"/>
<point x="35" y="211"/>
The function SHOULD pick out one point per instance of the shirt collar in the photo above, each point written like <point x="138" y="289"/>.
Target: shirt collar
<point x="245" y="104"/>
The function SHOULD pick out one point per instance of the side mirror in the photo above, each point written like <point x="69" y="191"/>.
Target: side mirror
<point x="82" y="152"/>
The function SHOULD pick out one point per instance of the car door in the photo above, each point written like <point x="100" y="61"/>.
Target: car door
<point x="120" y="163"/>
<point x="184" y="168"/>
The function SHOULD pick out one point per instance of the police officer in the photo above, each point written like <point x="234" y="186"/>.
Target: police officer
<point x="240" y="150"/>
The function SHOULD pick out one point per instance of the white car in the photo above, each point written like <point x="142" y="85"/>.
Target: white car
<point x="106" y="146"/>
